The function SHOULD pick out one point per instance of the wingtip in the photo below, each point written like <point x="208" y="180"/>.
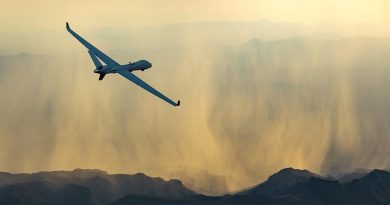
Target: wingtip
<point x="67" y="26"/>
<point x="178" y="103"/>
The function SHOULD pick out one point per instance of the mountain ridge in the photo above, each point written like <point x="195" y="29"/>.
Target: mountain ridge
<point x="97" y="187"/>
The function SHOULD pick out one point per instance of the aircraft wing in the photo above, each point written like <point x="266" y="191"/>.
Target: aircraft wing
<point x="125" y="73"/>
<point x="95" y="60"/>
<point x="92" y="48"/>
<point x="133" y="78"/>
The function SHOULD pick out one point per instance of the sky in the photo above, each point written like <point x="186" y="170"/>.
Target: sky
<point x="21" y="15"/>
<point x="249" y="108"/>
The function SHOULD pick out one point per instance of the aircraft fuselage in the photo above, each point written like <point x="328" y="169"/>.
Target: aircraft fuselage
<point x="125" y="70"/>
<point x="139" y="65"/>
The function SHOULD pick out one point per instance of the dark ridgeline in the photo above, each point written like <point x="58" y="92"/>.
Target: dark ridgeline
<point x="95" y="187"/>
<point x="84" y="187"/>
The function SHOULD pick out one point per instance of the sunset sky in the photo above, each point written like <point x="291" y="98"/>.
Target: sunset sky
<point x="44" y="14"/>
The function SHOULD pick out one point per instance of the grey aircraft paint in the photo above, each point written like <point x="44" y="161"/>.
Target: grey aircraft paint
<point x="124" y="70"/>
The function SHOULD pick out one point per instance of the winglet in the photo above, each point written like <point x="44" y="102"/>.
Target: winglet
<point x="178" y="103"/>
<point x="67" y="26"/>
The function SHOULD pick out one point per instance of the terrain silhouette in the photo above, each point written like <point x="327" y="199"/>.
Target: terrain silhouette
<point x="288" y="186"/>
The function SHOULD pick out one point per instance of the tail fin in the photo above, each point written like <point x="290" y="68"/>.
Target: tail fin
<point x="95" y="60"/>
<point x="101" y="76"/>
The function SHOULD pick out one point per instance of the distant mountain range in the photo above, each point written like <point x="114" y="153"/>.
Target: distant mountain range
<point x="84" y="187"/>
<point x="288" y="186"/>
<point x="228" y="33"/>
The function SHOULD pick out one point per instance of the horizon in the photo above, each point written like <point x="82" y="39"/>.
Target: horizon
<point x="333" y="177"/>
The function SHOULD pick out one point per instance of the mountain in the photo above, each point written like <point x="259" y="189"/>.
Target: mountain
<point x="203" y="33"/>
<point x="318" y="191"/>
<point x="349" y="176"/>
<point x="199" y="200"/>
<point x="299" y="187"/>
<point x="95" y="187"/>
<point x="374" y="188"/>
<point x="222" y="33"/>
<point x="87" y="186"/>
<point x="278" y="181"/>
<point x="203" y="182"/>
<point x="303" y="187"/>
<point x="43" y="193"/>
